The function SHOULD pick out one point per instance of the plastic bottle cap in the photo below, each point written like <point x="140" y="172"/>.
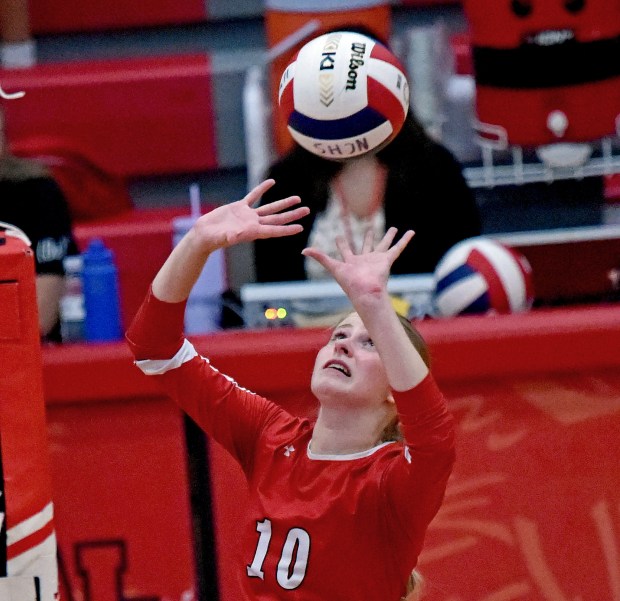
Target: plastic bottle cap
<point x="98" y="252"/>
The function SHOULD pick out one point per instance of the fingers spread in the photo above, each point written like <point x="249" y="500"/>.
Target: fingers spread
<point x="283" y="218"/>
<point x="343" y="247"/>
<point x="387" y="240"/>
<point x="278" y="231"/>
<point x="278" y="205"/>
<point x="253" y="195"/>
<point x="400" y="245"/>
<point x="369" y="239"/>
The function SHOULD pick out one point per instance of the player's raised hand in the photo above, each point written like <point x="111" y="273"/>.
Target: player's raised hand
<point x="240" y="221"/>
<point x="365" y="274"/>
<point x="224" y="226"/>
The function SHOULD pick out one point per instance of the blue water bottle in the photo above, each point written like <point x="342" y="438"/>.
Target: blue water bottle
<point x="101" y="294"/>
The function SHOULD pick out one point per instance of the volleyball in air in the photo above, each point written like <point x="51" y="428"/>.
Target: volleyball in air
<point x="343" y="95"/>
<point x="481" y="275"/>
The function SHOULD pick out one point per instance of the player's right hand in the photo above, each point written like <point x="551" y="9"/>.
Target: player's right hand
<point x="240" y="221"/>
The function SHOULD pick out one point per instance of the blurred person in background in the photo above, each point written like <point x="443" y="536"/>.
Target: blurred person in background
<point x="31" y="199"/>
<point x="413" y="183"/>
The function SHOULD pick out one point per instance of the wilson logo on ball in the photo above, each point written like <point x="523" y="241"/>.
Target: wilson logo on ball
<point x="343" y="95"/>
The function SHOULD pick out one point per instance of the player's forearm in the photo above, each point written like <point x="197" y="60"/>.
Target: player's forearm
<point x="179" y="273"/>
<point x="403" y="364"/>
<point x="156" y="331"/>
<point x="49" y="290"/>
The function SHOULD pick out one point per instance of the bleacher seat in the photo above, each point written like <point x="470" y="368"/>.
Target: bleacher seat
<point x="74" y="16"/>
<point x="133" y="117"/>
<point x="66" y="16"/>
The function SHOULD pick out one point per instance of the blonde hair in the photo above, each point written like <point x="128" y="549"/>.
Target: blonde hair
<point x="416" y="339"/>
<point x="415" y="587"/>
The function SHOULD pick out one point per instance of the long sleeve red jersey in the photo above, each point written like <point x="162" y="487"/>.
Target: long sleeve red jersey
<point x="319" y="527"/>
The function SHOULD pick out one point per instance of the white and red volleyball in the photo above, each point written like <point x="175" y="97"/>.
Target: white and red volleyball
<point x="343" y="95"/>
<point x="481" y="275"/>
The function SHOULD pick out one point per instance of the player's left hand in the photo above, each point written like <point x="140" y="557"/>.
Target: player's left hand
<point x="365" y="274"/>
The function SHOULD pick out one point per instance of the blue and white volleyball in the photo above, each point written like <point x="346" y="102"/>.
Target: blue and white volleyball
<point x="343" y="95"/>
<point x="481" y="275"/>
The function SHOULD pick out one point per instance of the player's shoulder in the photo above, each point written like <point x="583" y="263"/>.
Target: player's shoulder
<point x="285" y="433"/>
<point x="283" y="425"/>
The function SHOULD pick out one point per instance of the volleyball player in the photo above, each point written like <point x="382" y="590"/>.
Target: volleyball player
<point x="339" y="507"/>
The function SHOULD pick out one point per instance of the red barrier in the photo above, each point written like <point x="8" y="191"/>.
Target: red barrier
<point x="132" y="117"/>
<point x="52" y="16"/>
<point x="463" y="349"/>
<point x="124" y="525"/>
<point x="535" y="491"/>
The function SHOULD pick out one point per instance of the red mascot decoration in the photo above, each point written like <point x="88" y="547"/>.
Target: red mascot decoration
<point x="28" y="565"/>
<point x="546" y="71"/>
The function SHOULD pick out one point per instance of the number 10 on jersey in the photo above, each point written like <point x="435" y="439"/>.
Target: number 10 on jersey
<point x="293" y="556"/>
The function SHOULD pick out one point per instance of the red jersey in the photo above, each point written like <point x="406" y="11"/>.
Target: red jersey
<point x="319" y="527"/>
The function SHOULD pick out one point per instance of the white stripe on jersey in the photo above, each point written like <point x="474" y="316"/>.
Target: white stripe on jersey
<point x="156" y="367"/>
<point x="30" y="525"/>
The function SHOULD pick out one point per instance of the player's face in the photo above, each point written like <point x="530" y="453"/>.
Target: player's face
<point x="348" y="369"/>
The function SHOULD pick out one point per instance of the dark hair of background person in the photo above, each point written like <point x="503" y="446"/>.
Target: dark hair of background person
<point x="425" y="191"/>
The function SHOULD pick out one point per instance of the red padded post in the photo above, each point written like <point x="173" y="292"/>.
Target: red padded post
<point x="28" y="528"/>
